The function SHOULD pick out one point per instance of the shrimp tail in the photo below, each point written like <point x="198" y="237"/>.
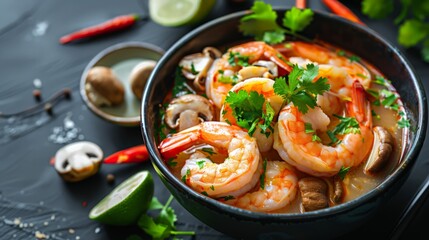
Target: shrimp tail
<point x="172" y="146"/>
<point x="277" y="59"/>
<point x="359" y="106"/>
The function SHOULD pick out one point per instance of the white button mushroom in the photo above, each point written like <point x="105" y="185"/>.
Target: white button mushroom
<point x="188" y="110"/>
<point x="103" y="88"/>
<point x="79" y="160"/>
<point x="139" y="76"/>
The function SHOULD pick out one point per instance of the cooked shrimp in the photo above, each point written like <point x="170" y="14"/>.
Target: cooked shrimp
<point x="279" y="190"/>
<point x="234" y="176"/>
<point x="262" y="86"/>
<point x="322" y="55"/>
<point x="217" y="90"/>
<point x="297" y="147"/>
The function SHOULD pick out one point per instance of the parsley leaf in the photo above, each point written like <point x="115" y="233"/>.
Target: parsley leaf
<point x="300" y="89"/>
<point x="343" y="172"/>
<point x="411" y="32"/>
<point x="261" y="23"/>
<point x="201" y="163"/>
<point x="163" y="225"/>
<point x="297" y="19"/>
<point x="247" y="109"/>
<point x="377" y="8"/>
<point x="261" y="20"/>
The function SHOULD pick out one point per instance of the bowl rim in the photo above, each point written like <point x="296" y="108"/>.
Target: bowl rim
<point x="408" y="158"/>
<point x="124" y="121"/>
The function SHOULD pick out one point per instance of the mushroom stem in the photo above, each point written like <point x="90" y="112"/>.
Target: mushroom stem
<point x="187" y="119"/>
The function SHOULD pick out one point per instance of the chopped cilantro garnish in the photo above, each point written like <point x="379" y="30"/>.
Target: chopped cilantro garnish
<point x="379" y="80"/>
<point x="208" y="150"/>
<point x="171" y="162"/>
<point x="262" y="24"/>
<point x="179" y="87"/>
<point x="343" y="172"/>
<point x="212" y="187"/>
<point x="341" y="53"/>
<point x="375" y="115"/>
<point x="262" y="177"/>
<point x="185" y="177"/>
<point x="315" y="138"/>
<point x="389" y="98"/>
<point x="193" y="71"/>
<point x="228" y="79"/>
<point x="236" y="59"/>
<point x="404" y="123"/>
<point x="334" y="139"/>
<point x="205" y="193"/>
<point x="300" y="88"/>
<point x="226" y="198"/>
<point x="247" y="109"/>
<point x="347" y="125"/>
<point x="201" y="163"/>
<point x="361" y="75"/>
<point x="373" y="93"/>
<point x="354" y="58"/>
<point x="308" y="128"/>
<point x="267" y="118"/>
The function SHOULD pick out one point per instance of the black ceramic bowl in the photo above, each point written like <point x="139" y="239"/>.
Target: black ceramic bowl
<point x="326" y="223"/>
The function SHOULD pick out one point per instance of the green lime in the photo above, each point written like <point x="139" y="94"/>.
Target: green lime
<point x="127" y="202"/>
<point x="179" y="12"/>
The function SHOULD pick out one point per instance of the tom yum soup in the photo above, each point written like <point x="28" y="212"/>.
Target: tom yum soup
<point x="292" y="127"/>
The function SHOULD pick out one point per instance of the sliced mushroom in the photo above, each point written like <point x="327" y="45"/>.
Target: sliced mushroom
<point x="336" y="190"/>
<point x="314" y="193"/>
<point x="196" y="66"/>
<point x="103" y="88"/>
<point x="188" y="110"/>
<point x="381" y="150"/>
<point x="139" y="76"/>
<point x="271" y="66"/>
<point x="77" y="161"/>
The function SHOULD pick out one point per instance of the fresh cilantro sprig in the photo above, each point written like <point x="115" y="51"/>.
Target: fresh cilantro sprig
<point x="262" y="24"/>
<point x="300" y="89"/>
<point x="414" y="27"/>
<point x="248" y="111"/>
<point x="162" y="226"/>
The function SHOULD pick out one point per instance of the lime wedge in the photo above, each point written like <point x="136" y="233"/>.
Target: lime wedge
<point x="179" y="12"/>
<point x="127" y="202"/>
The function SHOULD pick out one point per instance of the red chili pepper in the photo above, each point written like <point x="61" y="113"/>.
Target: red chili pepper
<point x="300" y="4"/>
<point x="115" y="24"/>
<point x="342" y="11"/>
<point x="131" y="155"/>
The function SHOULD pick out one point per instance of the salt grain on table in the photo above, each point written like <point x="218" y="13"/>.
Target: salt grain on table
<point x="67" y="133"/>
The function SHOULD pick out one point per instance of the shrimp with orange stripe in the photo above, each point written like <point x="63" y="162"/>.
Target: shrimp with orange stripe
<point x="299" y="148"/>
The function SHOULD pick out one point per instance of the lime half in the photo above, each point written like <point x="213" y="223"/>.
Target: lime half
<point x="179" y="12"/>
<point x="127" y="202"/>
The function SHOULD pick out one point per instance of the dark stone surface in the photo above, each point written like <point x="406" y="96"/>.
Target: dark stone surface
<point x="28" y="183"/>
